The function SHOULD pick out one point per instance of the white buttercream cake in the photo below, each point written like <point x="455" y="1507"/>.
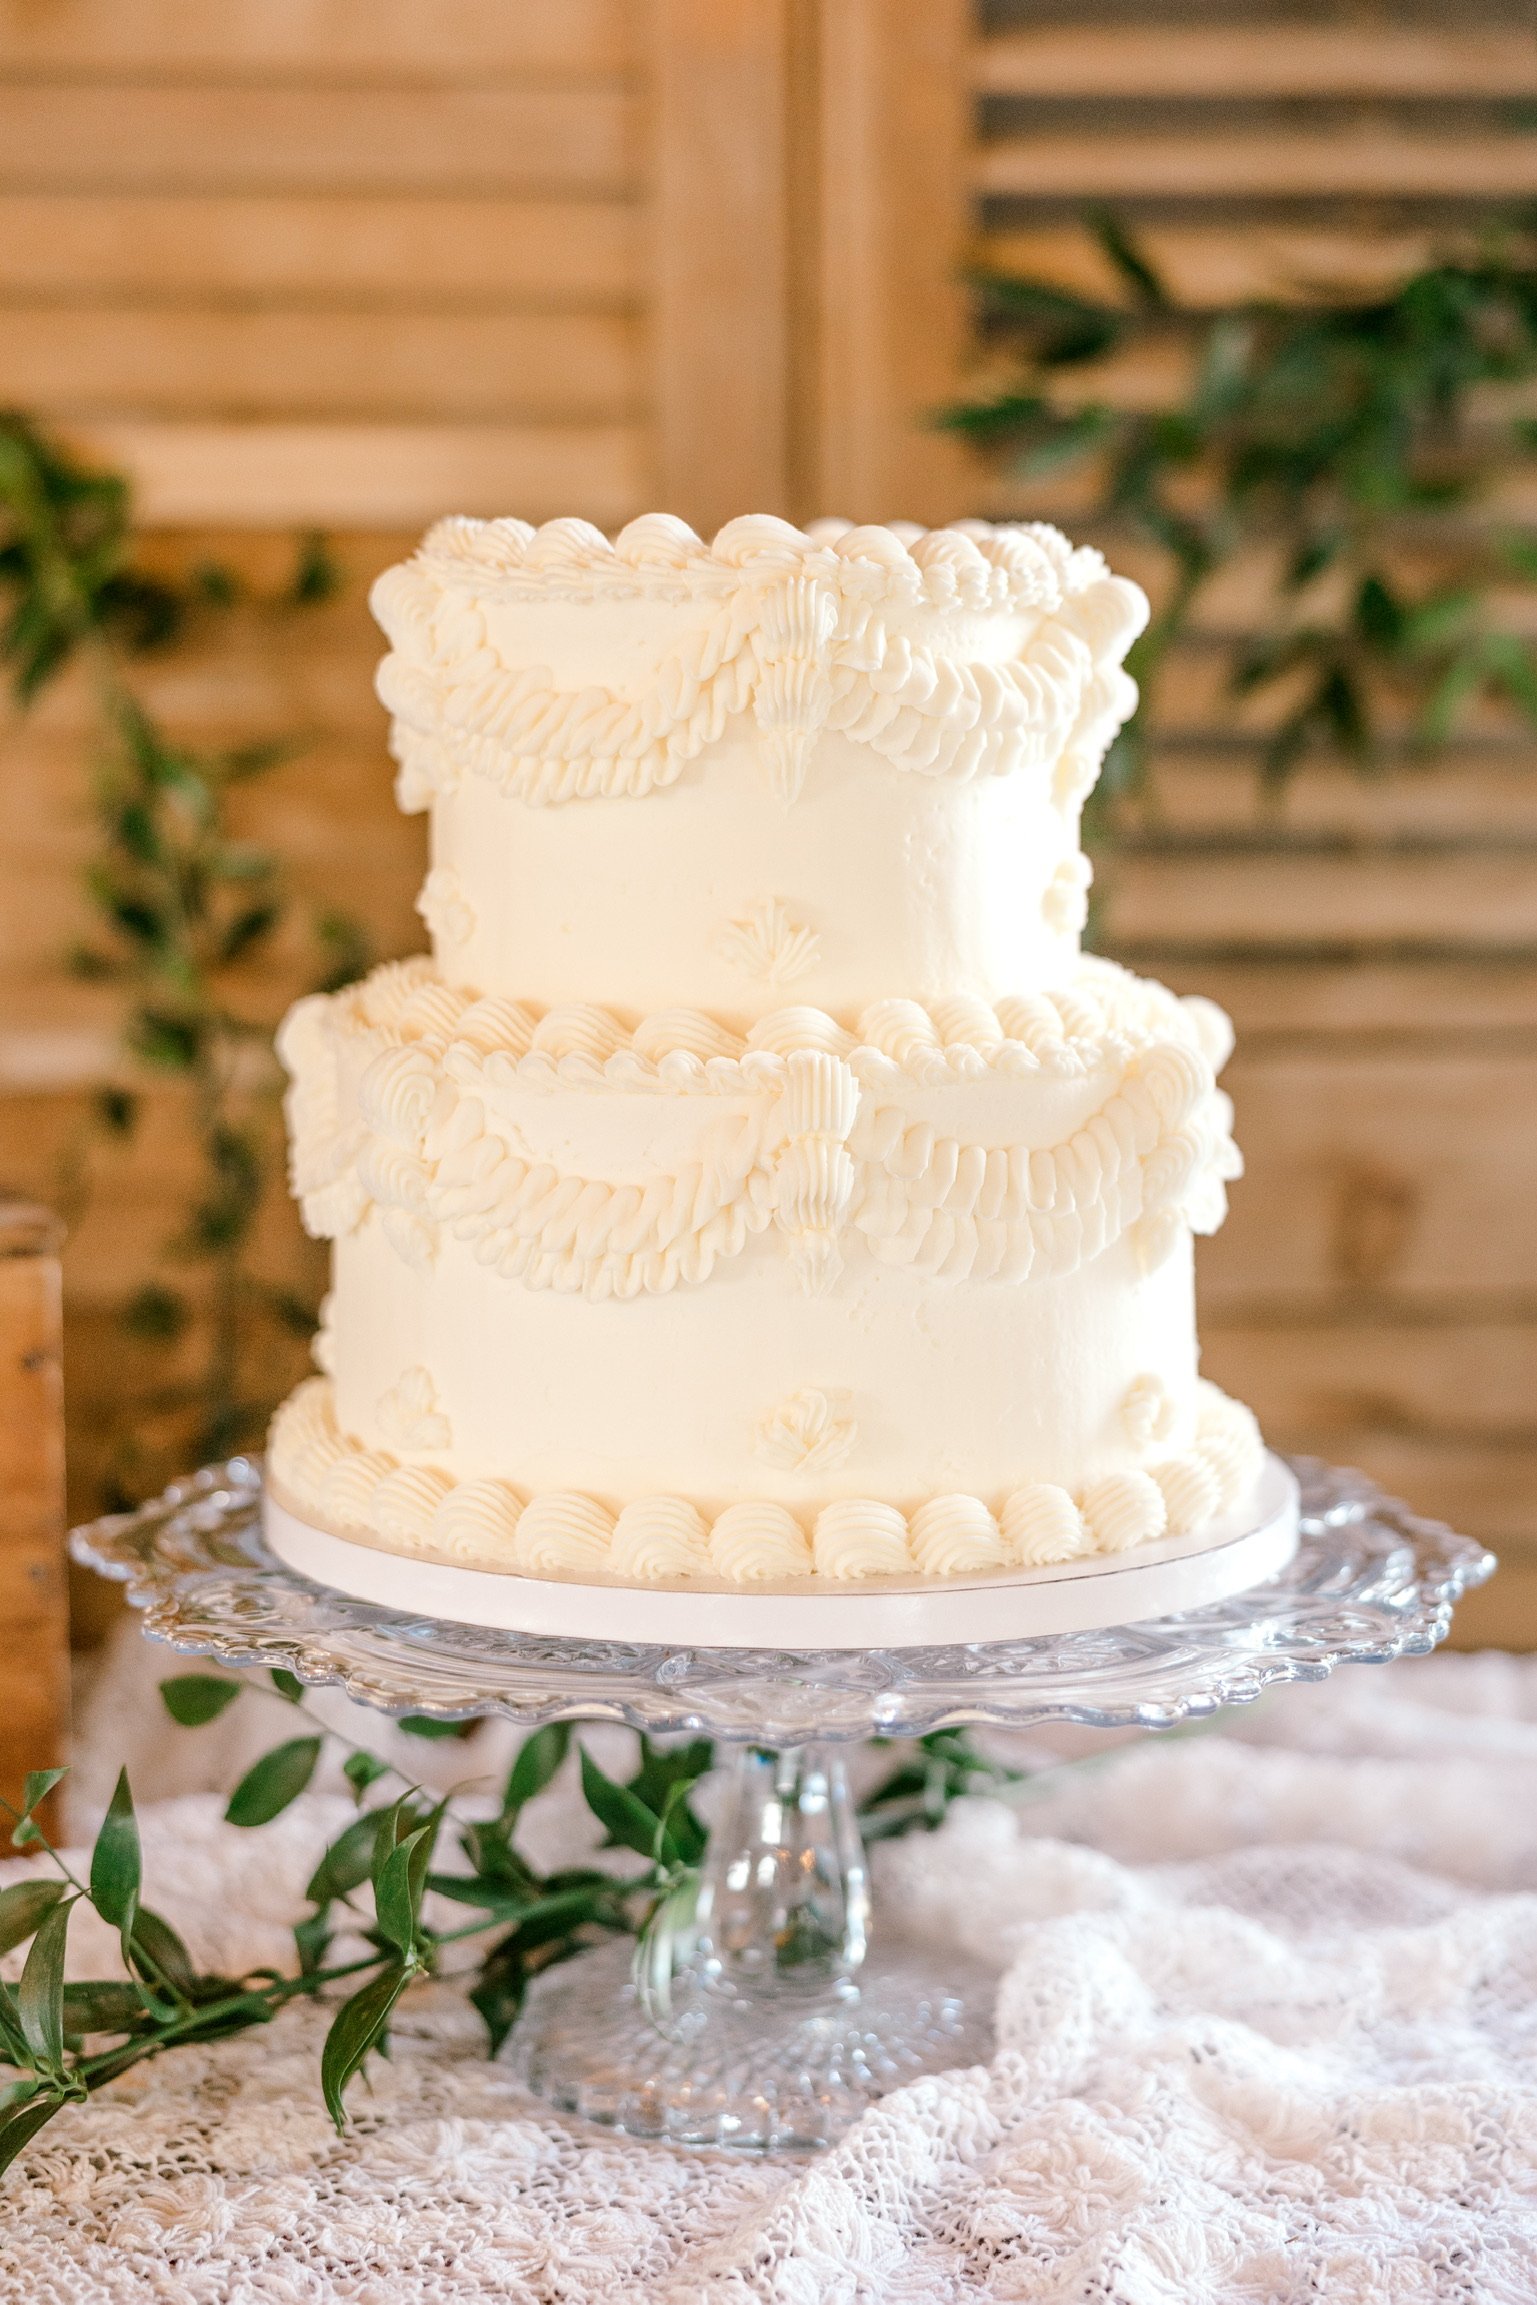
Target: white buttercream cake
<point x="757" y="1183"/>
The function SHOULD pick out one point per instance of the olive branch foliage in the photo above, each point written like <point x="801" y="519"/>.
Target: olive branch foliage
<point x="183" y="908"/>
<point x="1355" y="436"/>
<point x="62" y="2040"/>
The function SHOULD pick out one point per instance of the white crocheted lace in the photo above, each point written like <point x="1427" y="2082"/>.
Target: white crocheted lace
<point x="1267" y="2032"/>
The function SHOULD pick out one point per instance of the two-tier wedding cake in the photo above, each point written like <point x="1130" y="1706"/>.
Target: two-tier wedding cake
<point x="757" y="1186"/>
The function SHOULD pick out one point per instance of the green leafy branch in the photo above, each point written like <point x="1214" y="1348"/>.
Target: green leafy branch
<point x="186" y="909"/>
<point x="62" y="2040"/>
<point x="1356" y="438"/>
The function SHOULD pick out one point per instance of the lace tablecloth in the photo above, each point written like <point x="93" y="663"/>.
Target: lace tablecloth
<point x="1267" y="2030"/>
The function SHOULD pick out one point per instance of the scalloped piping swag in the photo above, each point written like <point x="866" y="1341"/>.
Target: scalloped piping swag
<point x="807" y="630"/>
<point x="333" y="1478"/>
<point x="396" y="1084"/>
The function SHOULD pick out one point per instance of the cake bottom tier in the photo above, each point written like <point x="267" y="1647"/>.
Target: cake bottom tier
<point x="747" y="1433"/>
<point x="1232" y="1554"/>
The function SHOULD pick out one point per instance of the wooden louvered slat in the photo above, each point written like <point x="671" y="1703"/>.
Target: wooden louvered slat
<point x="1204" y="264"/>
<point x="1350" y="898"/>
<point x="1100" y="62"/>
<point x="185" y="39"/>
<point x="1223" y="165"/>
<point x="225" y="248"/>
<point x="365" y="476"/>
<point x="162" y="137"/>
<point x="551" y="366"/>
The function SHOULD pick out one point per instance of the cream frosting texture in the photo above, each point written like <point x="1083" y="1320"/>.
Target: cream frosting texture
<point x="844" y="628"/>
<point x="333" y="1477"/>
<point x="757" y="1183"/>
<point x="862" y="754"/>
<point x="574" y="1152"/>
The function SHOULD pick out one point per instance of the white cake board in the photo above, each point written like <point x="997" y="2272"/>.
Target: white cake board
<point x="1158" y="1580"/>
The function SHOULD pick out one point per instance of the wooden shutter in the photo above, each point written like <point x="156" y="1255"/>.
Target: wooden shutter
<point x="346" y="262"/>
<point x="1375" y="1290"/>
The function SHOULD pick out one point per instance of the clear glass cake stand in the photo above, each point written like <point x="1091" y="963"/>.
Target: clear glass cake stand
<point x="781" y="2026"/>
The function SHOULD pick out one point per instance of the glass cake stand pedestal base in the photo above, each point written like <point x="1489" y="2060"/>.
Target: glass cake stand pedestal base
<point x="770" y="2025"/>
<point x="778" y="2026"/>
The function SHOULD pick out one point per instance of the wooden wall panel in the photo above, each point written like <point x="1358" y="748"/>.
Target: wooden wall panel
<point x="1374" y="1292"/>
<point x="348" y="264"/>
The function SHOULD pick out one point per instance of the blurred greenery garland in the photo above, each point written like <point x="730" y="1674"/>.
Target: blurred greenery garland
<point x="1358" y="437"/>
<point x="64" y="2040"/>
<point x="183" y="909"/>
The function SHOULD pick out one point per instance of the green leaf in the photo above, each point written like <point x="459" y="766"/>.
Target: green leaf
<point x="90" y="964"/>
<point x="249" y="928"/>
<point x="1133" y="264"/>
<point x="362" y="1770"/>
<point x="488" y="1843"/>
<point x="116" y="1865"/>
<point x="13" y="2042"/>
<point x="156" y="1314"/>
<point x="169" y="1043"/>
<point x="1461" y="680"/>
<point x="269" y="1785"/>
<point x="665" y="1944"/>
<point x="40" y="1995"/>
<point x="39" y="1784"/>
<point x="17" y="2133"/>
<point x="537" y="1760"/>
<point x="104" y="2006"/>
<point x="159" y="1955"/>
<point x="357" y="2027"/>
<point x="537" y="1917"/>
<point x="423" y="1725"/>
<point x="349" y="946"/>
<point x="286" y="1684"/>
<point x="348" y="1862"/>
<point x="499" y="1992"/>
<point x="1380" y="616"/>
<point x="662" y="1767"/>
<point x="312" y="1937"/>
<point x="192" y="1699"/>
<point x="1512" y="668"/>
<point x="23" y="1908"/>
<point x="501" y="1900"/>
<point x="682" y="1838"/>
<point x="317" y="573"/>
<point x="627" y="1821"/>
<point x="400" y="1877"/>
<point x="117" y="1110"/>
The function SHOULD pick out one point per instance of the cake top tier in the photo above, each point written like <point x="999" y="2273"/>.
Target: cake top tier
<point x="565" y="667"/>
<point x="867" y="749"/>
<point x="969" y="566"/>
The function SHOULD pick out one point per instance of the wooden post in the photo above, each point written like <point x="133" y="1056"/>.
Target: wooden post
<point x="719" y="227"/>
<point x="34" y="1629"/>
<point x="886" y="301"/>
